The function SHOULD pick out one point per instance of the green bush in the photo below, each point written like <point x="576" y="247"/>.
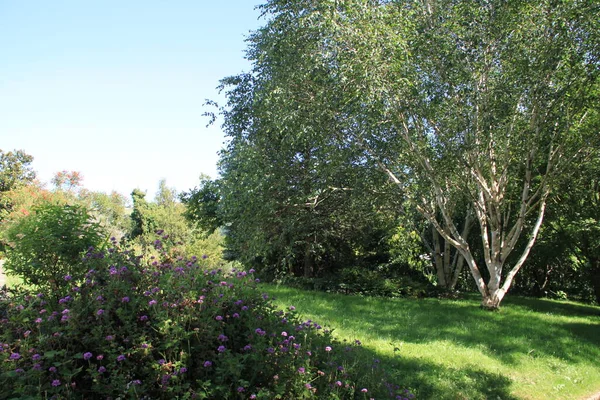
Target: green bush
<point x="154" y="328"/>
<point x="46" y="246"/>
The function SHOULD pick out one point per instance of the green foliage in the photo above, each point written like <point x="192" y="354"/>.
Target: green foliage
<point x="45" y="247"/>
<point x="167" y="217"/>
<point x="15" y="171"/>
<point x="202" y="205"/>
<point x="152" y="327"/>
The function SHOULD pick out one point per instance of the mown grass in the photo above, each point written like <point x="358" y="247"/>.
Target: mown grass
<point x="452" y="349"/>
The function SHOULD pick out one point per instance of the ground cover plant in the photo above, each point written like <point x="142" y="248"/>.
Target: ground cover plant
<point x="163" y="327"/>
<point x="452" y="349"/>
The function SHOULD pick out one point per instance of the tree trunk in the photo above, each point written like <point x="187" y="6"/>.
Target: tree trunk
<point x="491" y="300"/>
<point x="308" y="261"/>
<point x="595" y="277"/>
<point x="438" y="260"/>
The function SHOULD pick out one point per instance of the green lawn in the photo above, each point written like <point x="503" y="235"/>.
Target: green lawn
<point x="452" y="349"/>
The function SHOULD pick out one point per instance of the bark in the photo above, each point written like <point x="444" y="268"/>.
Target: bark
<point x="308" y="261"/>
<point x="595" y="277"/>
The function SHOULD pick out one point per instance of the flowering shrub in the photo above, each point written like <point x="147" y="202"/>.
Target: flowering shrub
<point x="160" y="328"/>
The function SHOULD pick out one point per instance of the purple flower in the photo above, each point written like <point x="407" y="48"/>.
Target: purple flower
<point x="102" y="370"/>
<point x="327" y="348"/>
<point x="182" y="370"/>
<point x="338" y="383"/>
<point x="222" y="338"/>
<point x="15" y="356"/>
<point x="125" y="299"/>
<point x="87" y="356"/>
<point x="207" y="364"/>
<point x="100" y="312"/>
<point x="219" y="318"/>
<point x="56" y="382"/>
<point x="284" y="334"/>
<point x="240" y="389"/>
<point x="36" y="357"/>
<point x="99" y="298"/>
<point x="52" y="369"/>
<point x="144" y="318"/>
<point x="364" y="390"/>
<point x="37" y="367"/>
<point x="301" y="370"/>
<point x="121" y="358"/>
<point x="100" y="357"/>
<point x="152" y="302"/>
<point x="271" y="350"/>
<point x="221" y="349"/>
<point x="38" y="320"/>
<point x="19" y="370"/>
<point x="67" y="278"/>
<point x="110" y="337"/>
<point x="236" y="315"/>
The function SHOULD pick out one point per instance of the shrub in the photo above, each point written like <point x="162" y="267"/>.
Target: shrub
<point x="137" y="327"/>
<point x="47" y="244"/>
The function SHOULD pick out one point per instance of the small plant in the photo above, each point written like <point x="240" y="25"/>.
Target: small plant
<point x="156" y="327"/>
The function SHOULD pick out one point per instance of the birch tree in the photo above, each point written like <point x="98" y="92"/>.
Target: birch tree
<point x="488" y="99"/>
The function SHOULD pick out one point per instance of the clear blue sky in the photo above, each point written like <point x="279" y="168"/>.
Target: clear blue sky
<point x="115" y="89"/>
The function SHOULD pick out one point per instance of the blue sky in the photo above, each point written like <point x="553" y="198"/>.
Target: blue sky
<point x="115" y="89"/>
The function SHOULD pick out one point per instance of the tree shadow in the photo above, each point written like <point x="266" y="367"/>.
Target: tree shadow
<point x="427" y="380"/>
<point x="524" y="327"/>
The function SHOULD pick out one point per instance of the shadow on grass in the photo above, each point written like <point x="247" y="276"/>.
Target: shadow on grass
<point x="432" y="381"/>
<point x="568" y="309"/>
<point x="523" y="327"/>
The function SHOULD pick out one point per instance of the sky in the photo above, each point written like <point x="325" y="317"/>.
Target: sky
<point x="115" y="89"/>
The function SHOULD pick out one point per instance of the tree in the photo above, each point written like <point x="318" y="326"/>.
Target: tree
<point x="290" y="197"/>
<point x="202" y="204"/>
<point x="67" y="181"/>
<point x="15" y="171"/>
<point x="447" y="98"/>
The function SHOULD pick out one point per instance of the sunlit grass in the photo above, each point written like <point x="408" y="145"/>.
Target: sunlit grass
<point x="452" y="349"/>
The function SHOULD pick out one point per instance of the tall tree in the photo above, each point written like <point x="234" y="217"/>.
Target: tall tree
<point x="447" y="98"/>
<point x="290" y="196"/>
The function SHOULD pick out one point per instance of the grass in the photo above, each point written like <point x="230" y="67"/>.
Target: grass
<point x="452" y="349"/>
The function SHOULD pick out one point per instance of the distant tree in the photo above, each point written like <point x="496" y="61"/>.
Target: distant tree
<point x="15" y="171"/>
<point x="67" y="180"/>
<point x="202" y="204"/>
